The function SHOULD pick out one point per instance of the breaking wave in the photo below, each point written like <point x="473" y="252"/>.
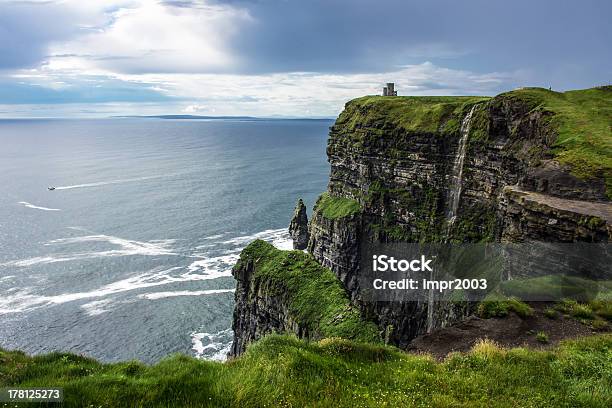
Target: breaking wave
<point x="205" y="268"/>
<point x="213" y="346"/>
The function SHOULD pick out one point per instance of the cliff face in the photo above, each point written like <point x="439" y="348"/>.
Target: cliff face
<point x="528" y="164"/>
<point x="289" y="292"/>
<point x="458" y="169"/>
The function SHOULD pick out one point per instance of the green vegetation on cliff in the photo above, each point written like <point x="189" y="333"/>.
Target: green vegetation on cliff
<point x="336" y="207"/>
<point x="282" y="371"/>
<point x="411" y="113"/>
<point x="582" y="121"/>
<point x="317" y="300"/>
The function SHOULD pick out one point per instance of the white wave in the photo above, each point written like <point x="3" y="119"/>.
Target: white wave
<point x="162" y="295"/>
<point x="97" y="307"/>
<point x="217" y="345"/>
<point x="278" y="237"/>
<point x="126" y="248"/>
<point x="207" y="268"/>
<point x="36" y="207"/>
<point x="215" y="267"/>
<point x="105" y="183"/>
<point x="25" y="301"/>
<point x="218" y="236"/>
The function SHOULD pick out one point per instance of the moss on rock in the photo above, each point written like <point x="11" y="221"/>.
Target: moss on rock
<point x="336" y="207"/>
<point x="313" y="295"/>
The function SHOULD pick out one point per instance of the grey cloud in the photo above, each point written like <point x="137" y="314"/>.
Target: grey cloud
<point x="28" y="27"/>
<point x="483" y="36"/>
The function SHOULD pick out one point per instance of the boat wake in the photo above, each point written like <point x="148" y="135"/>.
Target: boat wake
<point x="36" y="207"/>
<point x="106" y="183"/>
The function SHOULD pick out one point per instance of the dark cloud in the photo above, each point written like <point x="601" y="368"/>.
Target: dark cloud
<point x="548" y="42"/>
<point x="544" y="37"/>
<point x="27" y="29"/>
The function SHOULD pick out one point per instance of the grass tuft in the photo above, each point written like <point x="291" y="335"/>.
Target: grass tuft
<point x="542" y="337"/>
<point x="501" y="307"/>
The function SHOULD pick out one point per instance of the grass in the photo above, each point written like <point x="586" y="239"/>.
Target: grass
<point x="552" y="287"/>
<point x="550" y="313"/>
<point x="314" y="296"/>
<point x="336" y="207"/>
<point x="493" y="307"/>
<point x="542" y="337"/>
<point x="410" y="113"/>
<point x="282" y="371"/>
<point x="596" y="313"/>
<point x="582" y="121"/>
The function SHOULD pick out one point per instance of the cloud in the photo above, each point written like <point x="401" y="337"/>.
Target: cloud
<point x="288" y="94"/>
<point x="151" y="36"/>
<point x="293" y="58"/>
<point x="195" y="108"/>
<point x="41" y="89"/>
<point x="29" y="28"/>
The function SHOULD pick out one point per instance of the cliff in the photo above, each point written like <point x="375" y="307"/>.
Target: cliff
<point x="526" y="164"/>
<point x="289" y="292"/>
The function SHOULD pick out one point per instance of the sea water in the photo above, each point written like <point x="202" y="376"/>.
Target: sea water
<point x="130" y="256"/>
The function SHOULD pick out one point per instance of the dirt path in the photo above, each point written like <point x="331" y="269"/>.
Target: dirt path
<point x="509" y="331"/>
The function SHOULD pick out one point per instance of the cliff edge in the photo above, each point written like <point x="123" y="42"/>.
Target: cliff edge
<point x="289" y="292"/>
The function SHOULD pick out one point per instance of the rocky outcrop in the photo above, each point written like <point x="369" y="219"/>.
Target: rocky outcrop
<point x="530" y="215"/>
<point x="298" y="228"/>
<point x="289" y="292"/>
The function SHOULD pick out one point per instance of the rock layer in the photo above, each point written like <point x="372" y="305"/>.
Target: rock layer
<point x="396" y="159"/>
<point x="394" y="168"/>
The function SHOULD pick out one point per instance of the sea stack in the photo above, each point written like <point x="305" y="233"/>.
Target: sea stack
<point x="298" y="228"/>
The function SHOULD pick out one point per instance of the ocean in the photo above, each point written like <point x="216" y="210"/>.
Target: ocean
<point x="130" y="256"/>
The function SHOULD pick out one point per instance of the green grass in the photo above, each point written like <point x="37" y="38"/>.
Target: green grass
<point x="549" y="287"/>
<point x="315" y="297"/>
<point x="410" y="113"/>
<point x="336" y="207"/>
<point x="582" y="120"/>
<point x="542" y="337"/>
<point x="550" y="313"/>
<point x="282" y="371"/>
<point x="495" y="307"/>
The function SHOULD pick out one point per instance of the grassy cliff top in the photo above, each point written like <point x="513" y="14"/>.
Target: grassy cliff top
<point x="412" y="113"/>
<point x="316" y="297"/>
<point x="582" y="120"/>
<point x="281" y="371"/>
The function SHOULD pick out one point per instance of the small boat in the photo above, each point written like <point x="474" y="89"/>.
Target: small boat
<point x="50" y="188"/>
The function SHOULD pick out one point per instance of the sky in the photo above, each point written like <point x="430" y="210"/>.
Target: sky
<point x="305" y="58"/>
